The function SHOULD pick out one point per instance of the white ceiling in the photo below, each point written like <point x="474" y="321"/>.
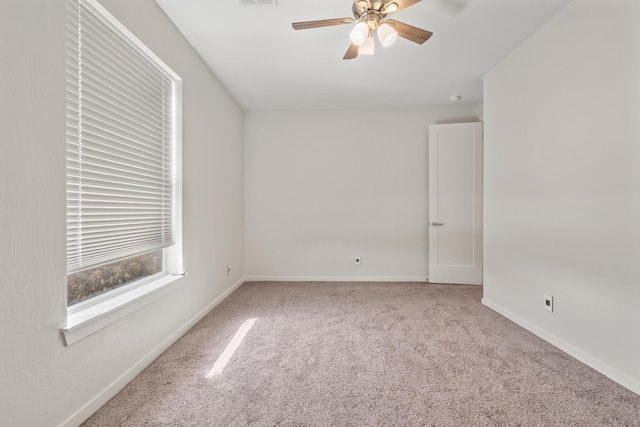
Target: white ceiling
<point x="267" y="65"/>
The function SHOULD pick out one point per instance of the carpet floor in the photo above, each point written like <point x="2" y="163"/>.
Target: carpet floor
<point x="366" y="354"/>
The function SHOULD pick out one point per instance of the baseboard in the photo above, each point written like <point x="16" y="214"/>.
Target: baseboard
<point x="612" y="373"/>
<point x="124" y="379"/>
<point x="336" y="279"/>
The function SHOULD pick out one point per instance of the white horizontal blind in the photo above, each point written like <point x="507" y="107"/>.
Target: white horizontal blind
<point x="120" y="143"/>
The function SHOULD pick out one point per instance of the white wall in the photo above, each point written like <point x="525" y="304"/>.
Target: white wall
<point x="42" y="382"/>
<point x="342" y="184"/>
<point x="562" y="184"/>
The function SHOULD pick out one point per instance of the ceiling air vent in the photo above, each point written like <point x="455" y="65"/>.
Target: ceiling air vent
<point x="258" y="2"/>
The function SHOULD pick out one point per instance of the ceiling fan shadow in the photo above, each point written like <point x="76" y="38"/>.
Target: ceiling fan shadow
<point x="450" y="7"/>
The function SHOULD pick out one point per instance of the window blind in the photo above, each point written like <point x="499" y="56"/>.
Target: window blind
<point x="120" y="142"/>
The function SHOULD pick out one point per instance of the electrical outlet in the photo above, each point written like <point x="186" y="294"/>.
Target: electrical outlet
<point x="548" y="303"/>
<point x="356" y="260"/>
<point x="228" y="270"/>
<point x="332" y="259"/>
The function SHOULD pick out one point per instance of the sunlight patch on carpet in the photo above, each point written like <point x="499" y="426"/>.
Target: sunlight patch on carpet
<point x="231" y="348"/>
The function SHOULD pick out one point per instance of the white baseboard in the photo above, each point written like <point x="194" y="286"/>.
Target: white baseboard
<point x="336" y="279"/>
<point x="124" y="379"/>
<point x="617" y="376"/>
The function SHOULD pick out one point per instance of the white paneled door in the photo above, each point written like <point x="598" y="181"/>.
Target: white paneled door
<point x="455" y="203"/>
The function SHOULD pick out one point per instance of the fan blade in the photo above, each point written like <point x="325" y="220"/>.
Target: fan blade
<point x="322" y="23"/>
<point x="352" y="52"/>
<point x="402" y="4"/>
<point x="409" y="32"/>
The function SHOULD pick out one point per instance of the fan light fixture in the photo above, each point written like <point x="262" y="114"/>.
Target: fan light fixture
<point x="367" y="47"/>
<point x="390" y="7"/>
<point x="387" y="35"/>
<point x="359" y="33"/>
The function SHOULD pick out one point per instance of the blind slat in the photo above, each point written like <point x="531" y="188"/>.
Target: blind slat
<point x="98" y="176"/>
<point x="114" y="158"/>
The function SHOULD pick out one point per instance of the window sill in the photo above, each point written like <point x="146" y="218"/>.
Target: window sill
<point x="90" y="319"/>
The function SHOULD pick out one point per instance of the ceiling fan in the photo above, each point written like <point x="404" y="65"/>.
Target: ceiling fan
<point x="371" y="15"/>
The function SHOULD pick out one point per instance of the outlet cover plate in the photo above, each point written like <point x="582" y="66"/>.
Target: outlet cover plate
<point x="548" y="303"/>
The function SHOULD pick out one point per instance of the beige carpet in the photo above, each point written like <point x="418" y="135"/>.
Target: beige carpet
<point x="365" y="354"/>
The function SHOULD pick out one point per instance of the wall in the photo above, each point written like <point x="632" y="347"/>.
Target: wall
<point x="562" y="185"/>
<point x="341" y="184"/>
<point x="42" y="382"/>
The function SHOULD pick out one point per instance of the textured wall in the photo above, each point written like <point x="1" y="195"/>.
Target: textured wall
<point x="562" y="184"/>
<point x="42" y="382"/>
<point x="339" y="183"/>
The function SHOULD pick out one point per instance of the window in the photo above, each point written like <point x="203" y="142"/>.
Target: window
<point x="86" y="284"/>
<point x="123" y="152"/>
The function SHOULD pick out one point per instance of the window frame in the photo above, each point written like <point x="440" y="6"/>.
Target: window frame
<point x="93" y="314"/>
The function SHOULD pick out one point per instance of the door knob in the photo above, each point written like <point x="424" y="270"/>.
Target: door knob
<point x="438" y="224"/>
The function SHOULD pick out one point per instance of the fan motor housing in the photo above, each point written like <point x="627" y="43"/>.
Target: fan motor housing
<point x="372" y="18"/>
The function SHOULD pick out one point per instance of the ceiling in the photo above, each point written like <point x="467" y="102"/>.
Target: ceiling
<point x="267" y="65"/>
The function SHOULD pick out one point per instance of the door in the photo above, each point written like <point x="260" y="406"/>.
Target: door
<point x="455" y="203"/>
